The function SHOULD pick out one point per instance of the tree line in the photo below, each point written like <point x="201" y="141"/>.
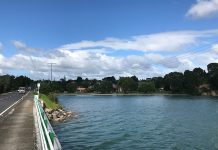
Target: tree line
<point x="189" y="82"/>
<point x="174" y="82"/>
<point x="10" y="83"/>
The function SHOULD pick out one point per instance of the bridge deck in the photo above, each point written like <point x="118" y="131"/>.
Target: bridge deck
<point x="16" y="130"/>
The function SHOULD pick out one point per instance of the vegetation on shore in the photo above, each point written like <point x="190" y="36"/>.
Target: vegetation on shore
<point x="10" y="83"/>
<point x="193" y="82"/>
<point x="53" y="109"/>
<point x="50" y="101"/>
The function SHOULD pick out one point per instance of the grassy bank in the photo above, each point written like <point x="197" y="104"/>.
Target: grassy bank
<point x="49" y="103"/>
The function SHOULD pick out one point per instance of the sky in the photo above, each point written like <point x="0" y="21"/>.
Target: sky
<point x="99" y="38"/>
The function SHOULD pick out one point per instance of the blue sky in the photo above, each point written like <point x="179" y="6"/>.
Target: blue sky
<point x="132" y="34"/>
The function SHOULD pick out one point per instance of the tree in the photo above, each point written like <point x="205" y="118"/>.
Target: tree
<point x="71" y="87"/>
<point x="105" y="87"/>
<point x="1" y="88"/>
<point x="22" y="81"/>
<point x="111" y="79"/>
<point x="45" y="88"/>
<point x="57" y="86"/>
<point x="85" y="83"/>
<point x="213" y="75"/>
<point x="93" y="82"/>
<point x="201" y="75"/>
<point x="79" y="80"/>
<point x="191" y="82"/>
<point x="212" y="68"/>
<point x="135" y="78"/>
<point x="135" y="86"/>
<point x="158" y="81"/>
<point x="127" y="84"/>
<point x="96" y="86"/>
<point x="146" y="87"/>
<point x="174" y="82"/>
<point x="6" y="83"/>
<point x="10" y="83"/>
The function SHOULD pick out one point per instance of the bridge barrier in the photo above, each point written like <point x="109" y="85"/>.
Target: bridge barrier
<point x="48" y="138"/>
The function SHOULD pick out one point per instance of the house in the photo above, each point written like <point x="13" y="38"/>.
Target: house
<point x="81" y="89"/>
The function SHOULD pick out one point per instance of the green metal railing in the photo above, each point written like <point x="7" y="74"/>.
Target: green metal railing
<point x="49" y="140"/>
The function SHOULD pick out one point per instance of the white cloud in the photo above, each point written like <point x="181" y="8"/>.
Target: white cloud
<point x="77" y="63"/>
<point x="215" y="48"/>
<point x="97" y="65"/>
<point x="91" y="59"/>
<point x="22" y="47"/>
<point x="166" y="41"/>
<point x="203" y="8"/>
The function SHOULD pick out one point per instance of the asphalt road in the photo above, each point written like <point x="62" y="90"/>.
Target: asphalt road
<point x="17" y="130"/>
<point x="6" y="100"/>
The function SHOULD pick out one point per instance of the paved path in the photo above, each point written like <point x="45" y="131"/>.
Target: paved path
<point x="16" y="130"/>
<point x="8" y="99"/>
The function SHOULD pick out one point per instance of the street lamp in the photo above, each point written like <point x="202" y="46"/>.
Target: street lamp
<point x="38" y="86"/>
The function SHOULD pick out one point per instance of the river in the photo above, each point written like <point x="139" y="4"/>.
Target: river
<point x="139" y="122"/>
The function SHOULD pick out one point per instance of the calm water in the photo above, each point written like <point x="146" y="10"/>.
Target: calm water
<point x="139" y="122"/>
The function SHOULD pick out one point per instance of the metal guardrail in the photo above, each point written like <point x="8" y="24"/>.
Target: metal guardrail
<point x="49" y="140"/>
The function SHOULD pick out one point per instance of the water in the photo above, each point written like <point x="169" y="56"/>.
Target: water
<point x="139" y="122"/>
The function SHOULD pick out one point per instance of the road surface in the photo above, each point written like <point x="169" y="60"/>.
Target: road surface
<point x="17" y="129"/>
<point x="6" y="100"/>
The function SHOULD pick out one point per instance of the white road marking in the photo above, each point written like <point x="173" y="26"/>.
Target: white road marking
<point x="13" y="104"/>
<point x="11" y="112"/>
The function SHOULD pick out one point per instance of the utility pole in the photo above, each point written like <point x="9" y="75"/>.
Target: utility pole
<point x="51" y="68"/>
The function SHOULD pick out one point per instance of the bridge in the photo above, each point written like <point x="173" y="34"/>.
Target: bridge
<point x="24" y="125"/>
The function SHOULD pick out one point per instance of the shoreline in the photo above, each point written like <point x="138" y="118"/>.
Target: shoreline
<point x="122" y="94"/>
<point x="54" y="110"/>
<point x="131" y="94"/>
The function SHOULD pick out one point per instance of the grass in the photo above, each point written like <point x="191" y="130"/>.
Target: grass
<point x="49" y="103"/>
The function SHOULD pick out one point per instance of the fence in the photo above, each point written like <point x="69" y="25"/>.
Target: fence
<point x="48" y="138"/>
